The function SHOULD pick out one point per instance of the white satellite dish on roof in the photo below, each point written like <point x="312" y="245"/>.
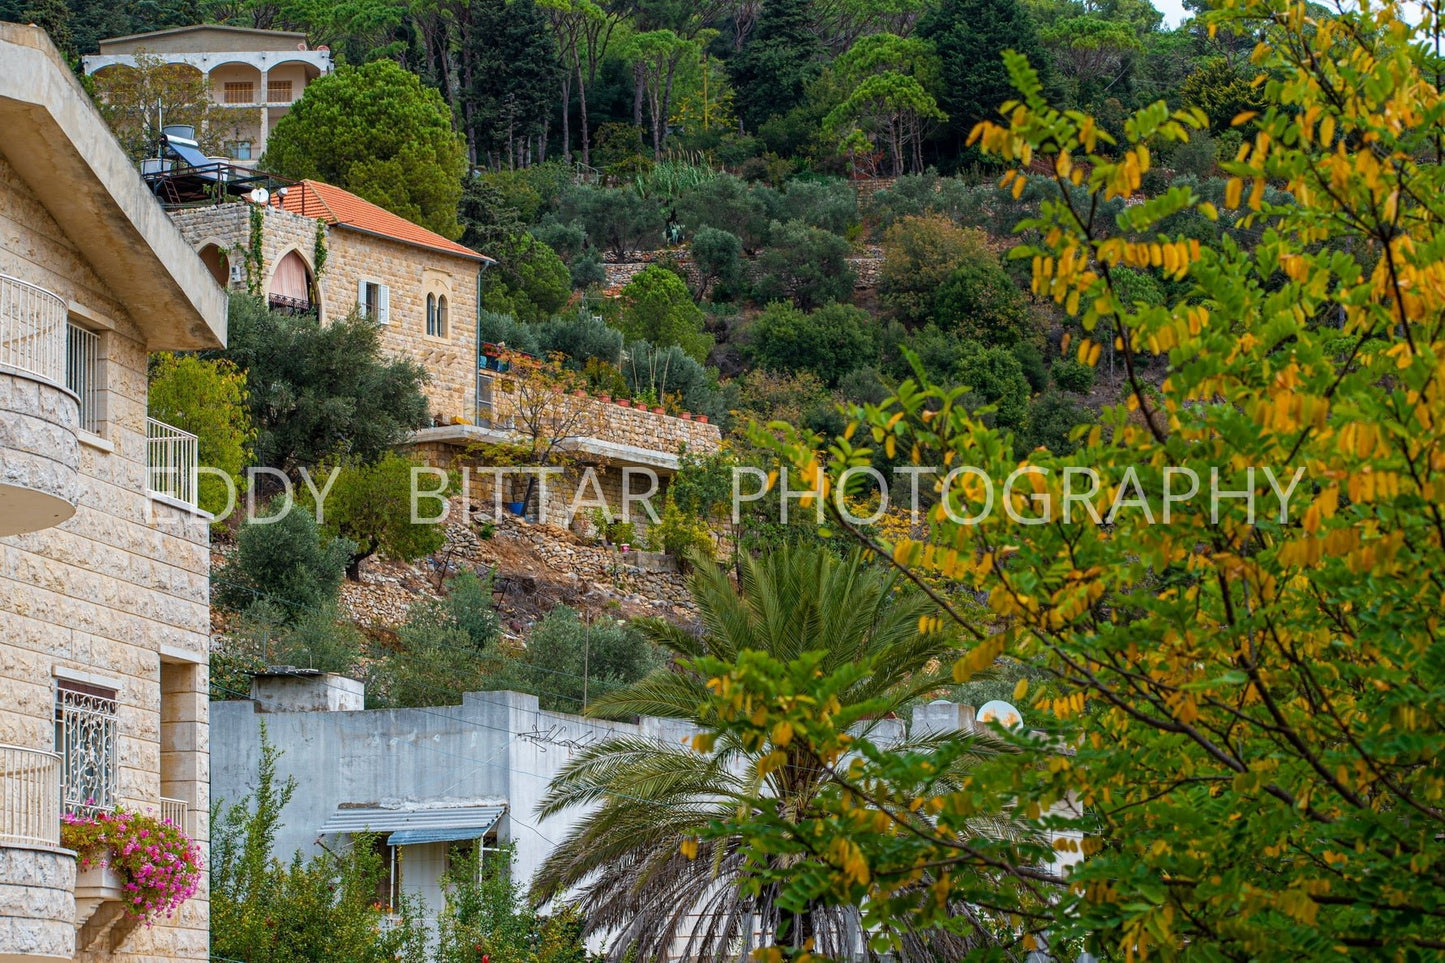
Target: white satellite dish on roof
<point x="1000" y="712"/>
<point x="259" y="196"/>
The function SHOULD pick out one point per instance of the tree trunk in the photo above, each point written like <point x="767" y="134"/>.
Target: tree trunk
<point x="567" y="118"/>
<point x="637" y="94"/>
<point x="582" y="108"/>
<point x="667" y="96"/>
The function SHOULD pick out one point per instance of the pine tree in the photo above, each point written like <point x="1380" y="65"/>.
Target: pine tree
<point x="970" y="37"/>
<point x="515" y="72"/>
<point x="782" y="55"/>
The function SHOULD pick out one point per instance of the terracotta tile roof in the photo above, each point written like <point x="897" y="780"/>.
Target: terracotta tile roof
<point x="345" y="209"/>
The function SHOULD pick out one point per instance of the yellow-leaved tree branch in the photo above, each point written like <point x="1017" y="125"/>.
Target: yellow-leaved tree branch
<point x="1237" y="752"/>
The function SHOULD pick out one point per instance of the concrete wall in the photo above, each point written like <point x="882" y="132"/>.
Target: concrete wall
<point x="119" y="594"/>
<point x="494" y="747"/>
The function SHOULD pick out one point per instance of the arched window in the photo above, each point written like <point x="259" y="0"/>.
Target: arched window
<point x="441" y="316"/>
<point x="291" y="286"/>
<point x="431" y="314"/>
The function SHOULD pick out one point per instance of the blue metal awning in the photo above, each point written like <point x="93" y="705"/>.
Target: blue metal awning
<point x="410" y="827"/>
<point x="415" y="837"/>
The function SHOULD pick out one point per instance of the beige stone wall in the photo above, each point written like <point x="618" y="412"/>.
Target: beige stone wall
<point x="607" y="421"/>
<point x="115" y="591"/>
<point x="410" y="272"/>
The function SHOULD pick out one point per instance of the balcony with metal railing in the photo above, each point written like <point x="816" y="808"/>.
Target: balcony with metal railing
<point x="171" y="462"/>
<point x="39" y="449"/>
<point x="37" y="917"/>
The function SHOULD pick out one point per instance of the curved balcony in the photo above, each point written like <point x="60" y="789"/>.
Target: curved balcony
<point x="39" y="451"/>
<point x="37" y="877"/>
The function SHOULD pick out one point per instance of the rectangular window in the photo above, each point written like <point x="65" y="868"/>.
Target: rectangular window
<point x="239" y="149"/>
<point x="239" y="92"/>
<point x="278" y="91"/>
<point x="82" y="373"/>
<point x="85" y="738"/>
<point x="374" y="301"/>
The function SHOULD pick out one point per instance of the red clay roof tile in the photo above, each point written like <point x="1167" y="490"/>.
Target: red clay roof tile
<point x="344" y="209"/>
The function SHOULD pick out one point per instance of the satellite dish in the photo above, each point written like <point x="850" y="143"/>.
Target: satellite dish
<point x="259" y="196"/>
<point x="1000" y="712"/>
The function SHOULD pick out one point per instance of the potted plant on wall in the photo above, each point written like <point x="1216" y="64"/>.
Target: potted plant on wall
<point x="148" y="865"/>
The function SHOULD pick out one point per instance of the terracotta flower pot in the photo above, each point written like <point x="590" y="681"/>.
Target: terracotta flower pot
<point x="624" y="402"/>
<point x="605" y="398"/>
<point x="579" y="393"/>
<point x="659" y="410"/>
<point x="686" y="416"/>
<point x="702" y="419"/>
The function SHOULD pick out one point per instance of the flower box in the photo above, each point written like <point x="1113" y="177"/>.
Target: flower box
<point x="659" y="410"/>
<point x="97" y="881"/>
<point x="624" y="402"/>
<point x="605" y="398"/>
<point x="702" y="419"/>
<point x="579" y="393"/>
<point x="148" y="866"/>
<point x="686" y="416"/>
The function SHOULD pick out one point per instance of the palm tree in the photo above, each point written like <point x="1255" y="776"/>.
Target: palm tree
<point x="621" y="864"/>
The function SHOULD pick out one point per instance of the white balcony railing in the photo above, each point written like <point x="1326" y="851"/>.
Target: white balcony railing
<point x="32" y="329"/>
<point x="29" y="797"/>
<point x="177" y="813"/>
<point x="171" y="461"/>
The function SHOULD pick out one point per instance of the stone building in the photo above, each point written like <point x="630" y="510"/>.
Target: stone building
<point x="104" y="560"/>
<point x="256" y="75"/>
<point x="325" y="248"/>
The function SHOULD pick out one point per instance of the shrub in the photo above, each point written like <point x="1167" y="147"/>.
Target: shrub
<point x="160" y="864"/>
<point x="718" y="256"/>
<point x="444" y="648"/>
<point x="1051" y="418"/>
<point x="671" y="373"/>
<point x="829" y="342"/>
<point x="369" y="507"/>
<point x="264" y="637"/>
<point x="919" y="255"/>
<point x="657" y="307"/>
<point x="980" y="302"/>
<point x="587" y="270"/>
<point x="1072" y="375"/>
<point x="562" y="647"/>
<point x="725" y="203"/>
<point x="285" y="560"/>
<point x="322" y="391"/>
<point x="581" y="336"/>
<point x="830" y="204"/>
<point x="684" y="536"/>
<point x="505" y="329"/>
<point x="805" y="264"/>
<point x="995" y="377"/>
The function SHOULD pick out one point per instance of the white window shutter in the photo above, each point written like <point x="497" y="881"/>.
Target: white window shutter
<point x="361" y="296"/>
<point x="385" y="310"/>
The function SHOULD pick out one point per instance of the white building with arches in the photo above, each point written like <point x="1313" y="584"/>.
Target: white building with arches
<point x="255" y="74"/>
